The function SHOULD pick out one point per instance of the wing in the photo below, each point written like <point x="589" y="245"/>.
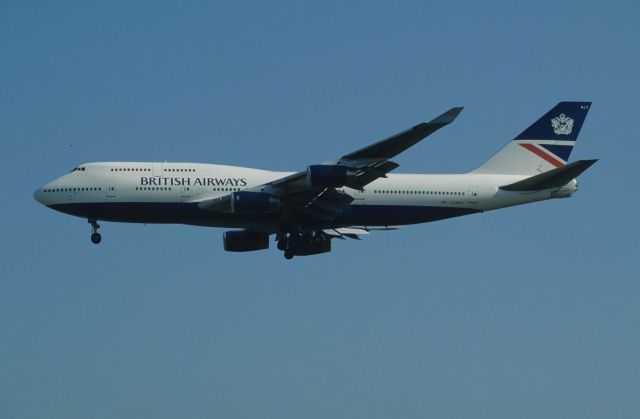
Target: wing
<point x="396" y="144"/>
<point x="314" y="196"/>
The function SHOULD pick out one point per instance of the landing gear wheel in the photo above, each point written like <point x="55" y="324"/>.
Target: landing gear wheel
<point x="96" y="238"/>
<point x="288" y="255"/>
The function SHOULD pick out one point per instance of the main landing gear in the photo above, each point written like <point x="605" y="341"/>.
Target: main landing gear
<point x="95" y="236"/>
<point x="283" y="245"/>
<point x="303" y="244"/>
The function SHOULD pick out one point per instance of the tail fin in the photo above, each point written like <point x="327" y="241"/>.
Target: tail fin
<point x="545" y="145"/>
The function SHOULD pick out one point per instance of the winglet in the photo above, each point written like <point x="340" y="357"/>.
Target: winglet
<point x="447" y="117"/>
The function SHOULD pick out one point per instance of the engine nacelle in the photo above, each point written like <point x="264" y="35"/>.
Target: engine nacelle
<point x="245" y="202"/>
<point x="329" y="175"/>
<point x="244" y="241"/>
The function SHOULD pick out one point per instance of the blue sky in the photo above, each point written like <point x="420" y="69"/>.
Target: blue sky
<point x="524" y="312"/>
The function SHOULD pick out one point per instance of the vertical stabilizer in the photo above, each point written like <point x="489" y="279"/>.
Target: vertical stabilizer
<point x="545" y="145"/>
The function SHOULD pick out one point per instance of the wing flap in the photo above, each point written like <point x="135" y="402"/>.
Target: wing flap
<point x="323" y="206"/>
<point x="373" y="172"/>
<point x="352" y="233"/>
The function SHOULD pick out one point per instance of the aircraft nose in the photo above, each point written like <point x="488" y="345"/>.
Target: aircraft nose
<point x="38" y="195"/>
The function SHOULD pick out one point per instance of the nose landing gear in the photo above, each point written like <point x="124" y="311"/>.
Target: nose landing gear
<point x="95" y="236"/>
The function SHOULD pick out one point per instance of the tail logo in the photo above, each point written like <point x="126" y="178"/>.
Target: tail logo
<point x="562" y="124"/>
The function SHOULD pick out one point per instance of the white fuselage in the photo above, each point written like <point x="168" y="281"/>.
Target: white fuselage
<point x="169" y="193"/>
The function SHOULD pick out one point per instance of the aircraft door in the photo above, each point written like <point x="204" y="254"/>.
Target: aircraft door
<point x="156" y="169"/>
<point x="472" y="195"/>
<point x="185" y="193"/>
<point x="110" y="190"/>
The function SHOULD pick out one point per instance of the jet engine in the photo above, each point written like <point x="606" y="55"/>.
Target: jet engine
<point x="329" y="175"/>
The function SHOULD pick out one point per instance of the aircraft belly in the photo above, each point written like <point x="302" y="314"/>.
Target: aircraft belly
<point x="386" y="215"/>
<point x="163" y="213"/>
<point x="190" y="213"/>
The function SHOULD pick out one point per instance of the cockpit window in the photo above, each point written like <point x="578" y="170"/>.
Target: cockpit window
<point x="77" y="168"/>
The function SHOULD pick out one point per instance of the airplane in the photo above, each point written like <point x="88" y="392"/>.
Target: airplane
<point x="344" y="198"/>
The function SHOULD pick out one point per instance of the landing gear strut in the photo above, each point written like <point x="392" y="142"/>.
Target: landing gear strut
<point x="284" y="240"/>
<point x="95" y="236"/>
<point x="283" y="244"/>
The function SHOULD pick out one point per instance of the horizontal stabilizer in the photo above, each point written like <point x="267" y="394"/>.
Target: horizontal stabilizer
<point x="552" y="179"/>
